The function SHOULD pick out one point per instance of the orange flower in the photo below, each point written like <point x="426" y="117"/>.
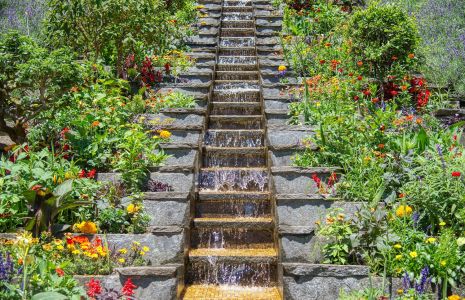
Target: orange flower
<point x="360" y="63"/>
<point x="95" y="123"/>
<point x="419" y="121"/>
<point x="411" y="56"/>
<point x="404" y="88"/>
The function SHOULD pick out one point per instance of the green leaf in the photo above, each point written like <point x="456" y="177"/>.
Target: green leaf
<point x="49" y="296"/>
<point x="64" y="188"/>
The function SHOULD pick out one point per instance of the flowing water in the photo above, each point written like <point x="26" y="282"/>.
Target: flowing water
<point x="232" y="253"/>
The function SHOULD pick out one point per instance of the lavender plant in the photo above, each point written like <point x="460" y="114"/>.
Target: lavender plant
<point x="25" y="16"/>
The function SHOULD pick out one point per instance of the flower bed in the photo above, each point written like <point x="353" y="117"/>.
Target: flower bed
<point x="372" y="116"/>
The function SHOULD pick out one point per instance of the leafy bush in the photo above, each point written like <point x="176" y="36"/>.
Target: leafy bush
<point x="382" y="35"/>
<point x="32" y="80"/>
<point x="114" y="29"/>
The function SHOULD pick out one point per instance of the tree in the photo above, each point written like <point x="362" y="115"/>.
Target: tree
<point x="32" y="79"/>
<point x="111" y="29"/>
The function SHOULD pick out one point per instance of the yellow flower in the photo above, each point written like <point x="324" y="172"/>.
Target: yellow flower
<point x="86" y="227"/>
<point x="282" y="68"/>
<point x="443" y="263"/>
<point x="47" y="247"/>
<point x="400" y="292"/>
<point x="76" y="252"/>
<point x="165" y="134"/>
<point x="60" y="247"/>
<point x="397" y="246"/>
<point x="442" y="223"/>
<point x="123" y="251"/>
<point x="69" y="175"/>
<point x="403" y="210"/>
<point x="431" y="240"/>
<point x="318" y="104"/>
<point x="57" y="242"/>
<point x="399" y="257"/>
<point x="142" y="253"/>
<point x="413" y="254"/>
<point x="94" y="255"/>
<point x="136" y="243"/>
<point x="121" y="260"/>
<point x="454" y="297"/>
<point x="146" y="249"/>
<point x="132" y="208"/>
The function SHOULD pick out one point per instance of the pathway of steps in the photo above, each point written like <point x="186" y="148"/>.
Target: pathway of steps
<point x="233" y="249"/>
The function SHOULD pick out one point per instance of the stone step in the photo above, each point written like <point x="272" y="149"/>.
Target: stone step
<point x="230" y="292"/>
<point x="237" y="32"/>
<point x="232" y="75"/>
<point x="226" y="23"/>
<point x="234" y="179"/>
<point x="239" y="9"/>
<point x="236" y="122"/>
<point x="238" y="255"/>
<point x="237" y="60"/>
<point x="233" y="208"/>
<point x="239" y="274"/>
<point x="234" y="138"/>
<point x="237" y="96"/>
<point x="236" y="108"/>
<point x="251" y="196"/>
<point x="239" y="3"/>
<point x="238" y="222"/>
<point x="237" y="42"/>
<point x="234" y="157"/>
<point x="237" y="51"/>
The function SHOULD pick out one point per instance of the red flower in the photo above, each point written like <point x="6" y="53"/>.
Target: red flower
<point x="394" y="58"/>
<point x="351" y="74"/>
<point x="93" y="288"/>
<point x="64" y="132"/>
<point x="82" y="174"/>
<point x="128" y="288"/>
<point x="367" y="92"/>
<point x="316" y="180"/>
<point x="36" y="187"/>
<point x="322" y="62"/>
<point x="359" y="77"/>
<point x="394" y="93"/>
<point x="65" y="147"/>
<point x="456" y="174"/>
<point x="375" y="100"/>
<point x="60" y="272"/>
<point x="91" y="173"/>
<point x="356" y="98"/>
<point x="167" y="67"/>
<point x="332" y="179"/>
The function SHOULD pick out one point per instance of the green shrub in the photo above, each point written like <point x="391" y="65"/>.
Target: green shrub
<point x="382" y="35"/>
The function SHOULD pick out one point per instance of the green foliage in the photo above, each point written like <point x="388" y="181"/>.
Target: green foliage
<point x="36" y="187"/>
<point x="382" y="35"/>
<point x="32" y="79"/>
<point x="114" y="29"/>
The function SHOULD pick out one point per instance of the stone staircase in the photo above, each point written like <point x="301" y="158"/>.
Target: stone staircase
<point x="233" y="251"/>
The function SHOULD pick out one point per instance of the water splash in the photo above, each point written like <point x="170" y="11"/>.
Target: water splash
<point x="234" y="138"/>
<point x="234" y="180"/>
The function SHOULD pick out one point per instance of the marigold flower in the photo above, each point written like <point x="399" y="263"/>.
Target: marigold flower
<point x="400" y="292"/>
<point x="76" y="252"/>
<point x="95" y="123"/>
<point x="413" y="254"/>
<point x="165" y="134"/>
<point x="87" y="227"/>
<point x="454" y="297"/>
<point x="411" y="56"/>
<point x="403" y="210"/>
<point x="60" y="272"/>
<point x="132" y="208"/>
<point x="282" y="68"/>
<point x="60" y="247"/>
<point x="360" y="63"/>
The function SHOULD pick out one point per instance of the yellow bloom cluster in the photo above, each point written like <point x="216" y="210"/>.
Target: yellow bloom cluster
<point x="132" y="208"/>
<point x="403" y="211"/>
<point x="87" y="227"/>
<point x="282" y="68"/>
<point x="165" y="134"/>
